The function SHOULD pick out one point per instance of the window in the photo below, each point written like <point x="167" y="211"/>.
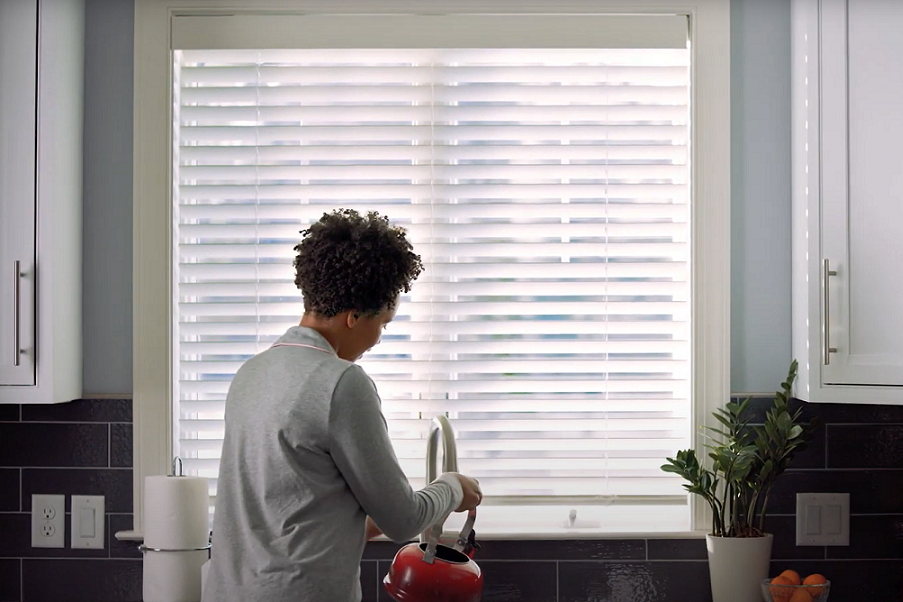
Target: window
<point x="548" y="189"/>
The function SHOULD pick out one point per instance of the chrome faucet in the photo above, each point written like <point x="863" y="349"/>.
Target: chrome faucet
<point x="440" y="427"/>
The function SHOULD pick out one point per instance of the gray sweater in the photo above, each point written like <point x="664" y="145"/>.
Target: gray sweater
<point x="306" y="458"/>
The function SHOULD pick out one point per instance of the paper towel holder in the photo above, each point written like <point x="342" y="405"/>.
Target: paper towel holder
<point x="144" y="548"/>
<point x="176" y="461"/>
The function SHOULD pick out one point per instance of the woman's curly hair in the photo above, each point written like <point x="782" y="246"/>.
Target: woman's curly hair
<point x="347" y="261"/>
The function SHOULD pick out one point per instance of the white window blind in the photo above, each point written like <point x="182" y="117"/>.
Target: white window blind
<point x="547" y="191"/>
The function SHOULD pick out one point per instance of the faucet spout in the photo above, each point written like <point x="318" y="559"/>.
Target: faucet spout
<point x="439" y="428"/>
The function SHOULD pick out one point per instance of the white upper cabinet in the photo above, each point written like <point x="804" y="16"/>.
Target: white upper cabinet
<point x="848" y="200"/>
<point x="18" y="136"/>
<point x="41" y="115"/>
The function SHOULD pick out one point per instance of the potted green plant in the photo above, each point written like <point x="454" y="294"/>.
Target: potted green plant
<point x="745" y="460"/>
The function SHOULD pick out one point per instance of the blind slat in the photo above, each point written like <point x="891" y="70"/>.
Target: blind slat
<point x="265" y="74"/>
<point x="410" y="134"/>
<point x="635" y="229"/>
<point x="610" y="205"/>
<point x="193" y="115"/>
<point x="268" y="332"/>
<point x="462" y="272"/>
<point x="213" y="408"/>
<point x="549" y="310"/>
<point x="400" y="388"/>
<point x="268" y="155"/>
<point x="256" y="291"/>
<point x="238" y="175"/>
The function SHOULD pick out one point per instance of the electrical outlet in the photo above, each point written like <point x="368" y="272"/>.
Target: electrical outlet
<point x="48" y="521"/>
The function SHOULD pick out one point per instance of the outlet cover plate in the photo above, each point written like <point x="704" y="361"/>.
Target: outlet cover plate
<point x="822" y="519"/>
<point x="86" y="530"/>
<point x="48" y="521"/>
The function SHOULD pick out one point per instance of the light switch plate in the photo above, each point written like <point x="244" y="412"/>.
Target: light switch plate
<point x="48" y="521"/>
<point x="822" y="519"/>
<point x="87" y="524"/>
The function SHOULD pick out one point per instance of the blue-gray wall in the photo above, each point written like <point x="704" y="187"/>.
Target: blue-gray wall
<point x="760" y="256"/>
<point x="107" y="247"/>
<point x="760" y="194"/>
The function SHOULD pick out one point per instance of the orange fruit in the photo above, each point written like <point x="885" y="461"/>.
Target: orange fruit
<point x="781" y="594"/>
<point x="792" y="575"/>
<point x="800" y="595"/>
<point x="815" y="579"/>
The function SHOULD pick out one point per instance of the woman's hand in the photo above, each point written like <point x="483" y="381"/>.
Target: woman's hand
<point x="372" y="529"/>
<point x="473" y="495"/>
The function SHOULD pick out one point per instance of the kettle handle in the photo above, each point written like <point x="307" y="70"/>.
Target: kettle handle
<point x="430" y="553"/>
<point x="465" y="531"/>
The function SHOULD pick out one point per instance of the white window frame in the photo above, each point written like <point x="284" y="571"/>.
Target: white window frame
<point x="152" y="209"/>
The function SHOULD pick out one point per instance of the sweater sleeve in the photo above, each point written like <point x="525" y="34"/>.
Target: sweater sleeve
<point x="360" y="447"/>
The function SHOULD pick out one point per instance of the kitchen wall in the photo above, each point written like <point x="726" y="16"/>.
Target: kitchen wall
<point x="84" y="447"/>
<point x="760" y="193"/>
<point x="857" y="450"/>
<point x="107" y="234"/>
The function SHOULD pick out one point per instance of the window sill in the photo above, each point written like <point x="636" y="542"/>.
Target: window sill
<point x="522" y="535"/>
<point x="631" y="521"/>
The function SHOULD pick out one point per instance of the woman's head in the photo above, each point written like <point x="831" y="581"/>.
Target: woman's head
<point x="352" y="262"/>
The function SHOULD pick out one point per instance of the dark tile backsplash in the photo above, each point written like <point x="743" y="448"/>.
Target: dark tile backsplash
<point x="81" y="410"/>
<point x="81" y="580"/>
<point x="369" y="585"/>
<point x="10" y="579"/>
<point x="115" y="484"/>
<point x="530" y="581"/>
<point x="121" y="445"/>
<point x="676" y="549"/>
<point x="858" y="446"/>
<point x="83" y="447"/>
<point x="856" y="450"/>
<point x="9" y="490"/>
<point x="633" y="581"/>
<point x="9" y="412"/>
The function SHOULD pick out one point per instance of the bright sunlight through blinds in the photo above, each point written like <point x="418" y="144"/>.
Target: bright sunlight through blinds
<point x="548" y="194"/>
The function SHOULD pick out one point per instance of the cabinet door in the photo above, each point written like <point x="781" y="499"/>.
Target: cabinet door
<point x="862" y="190"/>
<point x="18" y="69"/>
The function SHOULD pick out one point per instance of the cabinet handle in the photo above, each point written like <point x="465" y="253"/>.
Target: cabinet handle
<point x="828" y="272"/>
<point x="16" y="314"/>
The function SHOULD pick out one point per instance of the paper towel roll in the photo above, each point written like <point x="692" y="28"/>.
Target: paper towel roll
<point x="173" y="576"/>
<point x="204" y="570"/>
<point x="175" y="513"/>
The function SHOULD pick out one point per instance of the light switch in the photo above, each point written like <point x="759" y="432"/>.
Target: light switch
<point x="833" y="514"/>
<point x="822" y="519"/>
<point x="87" y="522"/>
<point x="813" y="520"/>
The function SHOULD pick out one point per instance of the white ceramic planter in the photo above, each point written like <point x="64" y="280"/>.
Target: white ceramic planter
<point x="737" y="566"/>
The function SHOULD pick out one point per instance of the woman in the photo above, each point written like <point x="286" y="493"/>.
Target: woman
<point x="307" y="469"/>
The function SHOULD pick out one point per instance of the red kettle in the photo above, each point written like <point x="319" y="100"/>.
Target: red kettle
<point x="432" y="572"/>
